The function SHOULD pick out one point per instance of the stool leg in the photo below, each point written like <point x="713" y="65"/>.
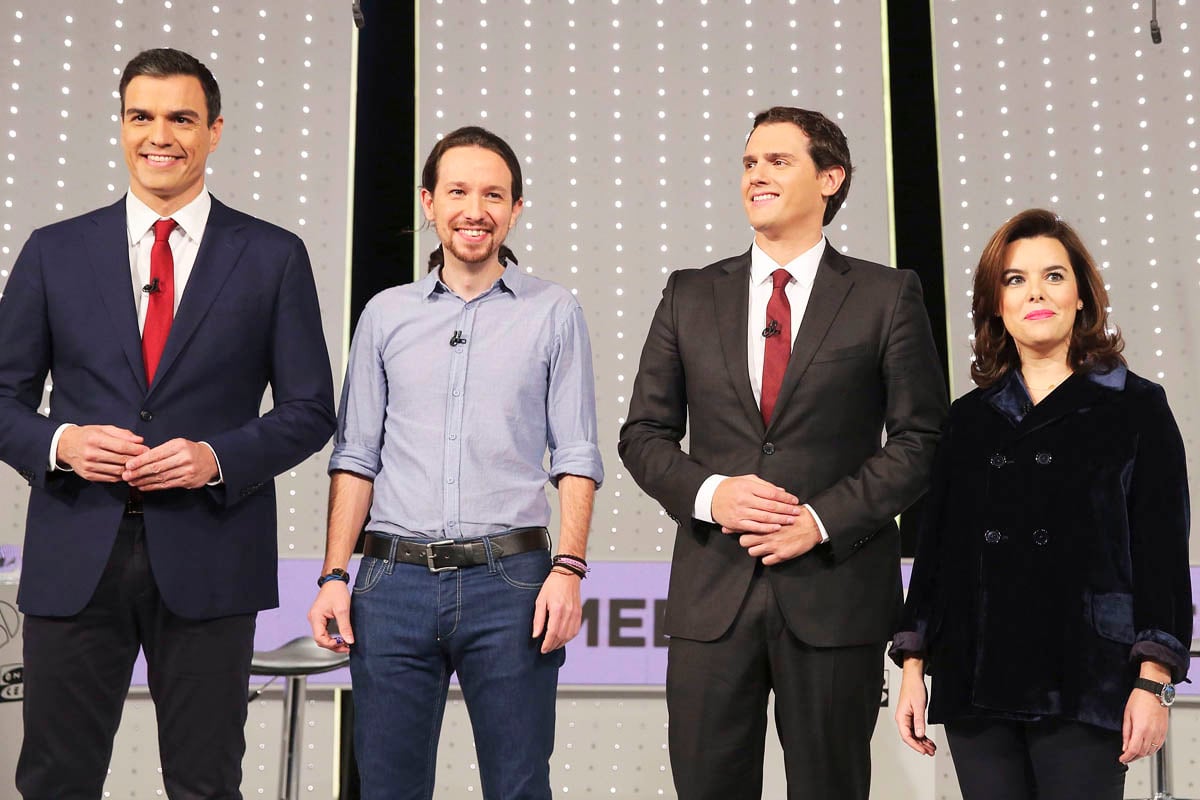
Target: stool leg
<point x="293" y="737"/>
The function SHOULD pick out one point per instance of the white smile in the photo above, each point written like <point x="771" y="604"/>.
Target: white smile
<point x="763" y="197"/>
<point x="160" y="159"/>
<point x="472" y="233"/>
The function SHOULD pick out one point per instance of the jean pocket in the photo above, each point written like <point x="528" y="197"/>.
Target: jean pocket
<point x="525" y="570"/>
<point x="370" y="570"/>
<point x="1112" y="616"/>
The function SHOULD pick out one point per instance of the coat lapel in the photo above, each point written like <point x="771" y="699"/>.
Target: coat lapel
<point x="107" y="245"/>
<point x="731" y="298"/>
<point x="830" y="286"/>
<point x="215" y="260"/>
<point x="1079" y="392"/>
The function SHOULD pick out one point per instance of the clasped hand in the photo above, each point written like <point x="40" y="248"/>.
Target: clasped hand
<point x="108" y="454"/>
<point x="770" y="522"/>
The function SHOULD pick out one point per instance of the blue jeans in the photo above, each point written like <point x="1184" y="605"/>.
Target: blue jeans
<point x="412" y="629"/>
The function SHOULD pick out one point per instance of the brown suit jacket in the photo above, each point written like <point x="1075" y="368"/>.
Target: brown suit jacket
<point x="863" y="363"/>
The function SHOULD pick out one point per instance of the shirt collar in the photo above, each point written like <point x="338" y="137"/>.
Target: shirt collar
<point x="191" y="219"/>
<point x="512" y="280"/>
<point x="803" y="268"/>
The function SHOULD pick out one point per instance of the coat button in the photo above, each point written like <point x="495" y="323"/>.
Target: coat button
<point x="769" y="449"/>
<point x="998" y="460"/>
<point x="992" y="537"/>
<point x="1040" y="537"/>
<point x="1043" y="458"/>
<point x="146" y="416"/>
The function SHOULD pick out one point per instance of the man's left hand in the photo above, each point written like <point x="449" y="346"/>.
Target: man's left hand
<point x="558" y="611"/>
<point x="177" y="464"/>
<point x="790" y="541"/>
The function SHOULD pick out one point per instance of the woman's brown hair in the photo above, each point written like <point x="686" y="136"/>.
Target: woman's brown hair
<point x="1093" y="345"/>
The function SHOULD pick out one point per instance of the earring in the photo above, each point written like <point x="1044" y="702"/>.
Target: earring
<point x="1079" y="306"/>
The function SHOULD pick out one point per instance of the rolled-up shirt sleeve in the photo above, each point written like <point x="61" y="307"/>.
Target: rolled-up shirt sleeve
<point x="571" y="404"/>
<point x="358" y="442"/>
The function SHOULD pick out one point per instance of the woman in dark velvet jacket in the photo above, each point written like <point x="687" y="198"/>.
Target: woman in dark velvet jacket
<point x="1050" y="597"/>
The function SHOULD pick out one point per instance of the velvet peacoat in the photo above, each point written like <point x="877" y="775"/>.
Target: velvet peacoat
<point x="1053" y="557"/>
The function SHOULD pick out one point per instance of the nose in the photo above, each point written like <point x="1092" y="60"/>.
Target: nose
<point x="160" y="131"/>
<point x="474" y="207"/>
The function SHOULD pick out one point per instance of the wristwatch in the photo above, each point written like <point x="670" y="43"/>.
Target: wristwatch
<point x="1165" y="692"/>
<point x="338" y="574"/>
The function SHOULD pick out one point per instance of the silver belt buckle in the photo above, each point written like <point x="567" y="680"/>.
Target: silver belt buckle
<point x="429" y="556"/>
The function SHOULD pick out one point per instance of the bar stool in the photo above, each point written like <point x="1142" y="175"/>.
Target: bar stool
<point x="295" y="661"/>
<point x="1160" y="765"/>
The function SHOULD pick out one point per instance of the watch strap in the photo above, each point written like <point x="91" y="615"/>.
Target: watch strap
<point x="1159" y="690"/>
<point x="336" y="574"/>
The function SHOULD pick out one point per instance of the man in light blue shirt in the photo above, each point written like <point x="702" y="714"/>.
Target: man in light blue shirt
<point x="457" y="386"/>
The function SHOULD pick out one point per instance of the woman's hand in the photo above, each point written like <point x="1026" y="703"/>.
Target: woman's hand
<point x="910" y="708"/>
<point x="1145" y="723"/>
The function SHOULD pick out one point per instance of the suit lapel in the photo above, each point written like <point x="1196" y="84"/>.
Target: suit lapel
<point x="731" y="298"/>
<point x="830" y="286"/>
<point x="107" y="245"/>
<point x="215" y="260"/>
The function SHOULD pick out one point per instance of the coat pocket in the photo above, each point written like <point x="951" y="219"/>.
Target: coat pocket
<point x="1112" y="616"/>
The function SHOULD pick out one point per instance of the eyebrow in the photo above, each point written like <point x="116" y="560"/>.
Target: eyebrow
<point x="768" y="156"/>
<point x="464" y="184"/>
<point x="1020" y="271"/>
<point x="183" y="112"/>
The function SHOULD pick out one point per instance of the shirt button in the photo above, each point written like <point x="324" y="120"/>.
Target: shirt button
<point x="1041" y="537"/>
<point x="998" y="460"/>
<point x="769" y="448"/>
<point x="992" y="537"/>
<point x="146" y="416"/>
<point x="453" y="436"/>
<point x="449" y="480"/>
<point x="457" y="392"/>
<point x="1043" y="458"/>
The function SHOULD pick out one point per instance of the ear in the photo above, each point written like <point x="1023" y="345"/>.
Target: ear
<point x="831" y="180"/>
<point x="427" y="204"/>
<point x="516" y="213"/>
<point x="216" y="128"/>
<point x="1079" y="306"/>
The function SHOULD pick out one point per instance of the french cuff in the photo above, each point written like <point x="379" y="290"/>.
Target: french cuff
<point x="54" y="465"/>
<point x="1156" y="645"/>
<point x="905" y="644"/>
<point x="359" y="460"/>
<point x="220" y="479"/>
<point x="820" y="525"/>
<point x="702" y="509"/>
<point x="578" y="458"/>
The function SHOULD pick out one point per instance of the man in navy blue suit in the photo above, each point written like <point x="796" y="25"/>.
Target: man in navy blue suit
<point x="162" y="320"/>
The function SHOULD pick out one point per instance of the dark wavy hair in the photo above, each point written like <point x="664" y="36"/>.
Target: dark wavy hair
<point x="1094" y="346"/>
<point x="165" y="62"/>
<point x="827" y="146"/>
<point x="472" y="136"/>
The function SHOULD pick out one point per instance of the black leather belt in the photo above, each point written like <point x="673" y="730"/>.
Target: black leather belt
<point x="454" y="553"/>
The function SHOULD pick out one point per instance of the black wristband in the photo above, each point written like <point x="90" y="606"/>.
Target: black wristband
<point x="334" y="575"/>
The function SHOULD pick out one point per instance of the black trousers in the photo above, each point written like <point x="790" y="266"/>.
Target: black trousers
<point x="1046" y="760"/>
<point x="77" y="672"/>
<point x="826" y="704"/>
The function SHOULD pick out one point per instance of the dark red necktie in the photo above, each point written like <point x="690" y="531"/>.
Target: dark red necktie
<point x="778" y="333"/>
<point x="160" y="301"/>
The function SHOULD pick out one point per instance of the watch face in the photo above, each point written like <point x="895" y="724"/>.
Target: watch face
<point x="1168" y="694"/>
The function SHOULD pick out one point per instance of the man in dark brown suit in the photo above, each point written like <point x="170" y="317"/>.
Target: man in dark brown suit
<point x="789" y="363"/>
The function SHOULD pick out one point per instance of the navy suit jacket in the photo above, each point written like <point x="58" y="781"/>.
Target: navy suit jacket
<point x="248" y="318"/>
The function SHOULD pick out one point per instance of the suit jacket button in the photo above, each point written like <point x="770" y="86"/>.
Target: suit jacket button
<point x="992" y="537"/>
<point x="1043" y="458"/>
<point x="769" y="449"/>
<point x="1041" y="537"/>
<point x="145" y="415"/>
<point x="998" y="460"/>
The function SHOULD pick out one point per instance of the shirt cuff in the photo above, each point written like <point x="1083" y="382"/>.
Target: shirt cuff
<point x="220" y="479"/>
<point x="704" y="497"/>
<point x="54" y="465"/>
<point x="820" y="525"/>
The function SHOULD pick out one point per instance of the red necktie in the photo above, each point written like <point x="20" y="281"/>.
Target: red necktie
<point x="161" y="298"/>
<point x="778" y="333"/>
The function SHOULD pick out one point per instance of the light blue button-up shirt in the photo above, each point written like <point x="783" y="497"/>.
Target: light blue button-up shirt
<point x="450" y="406"/>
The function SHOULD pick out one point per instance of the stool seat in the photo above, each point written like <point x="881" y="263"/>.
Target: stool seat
<point x="300" y="656"/>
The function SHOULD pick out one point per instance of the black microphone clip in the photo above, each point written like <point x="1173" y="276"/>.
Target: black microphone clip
<point x="152" y="287"/>
<point x="772" y="329"/>
<point x="457" y="338"/>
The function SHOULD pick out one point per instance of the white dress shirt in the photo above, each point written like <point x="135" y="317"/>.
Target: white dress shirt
<point x="803" y="270"/>
<point x="190" y="222"/>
